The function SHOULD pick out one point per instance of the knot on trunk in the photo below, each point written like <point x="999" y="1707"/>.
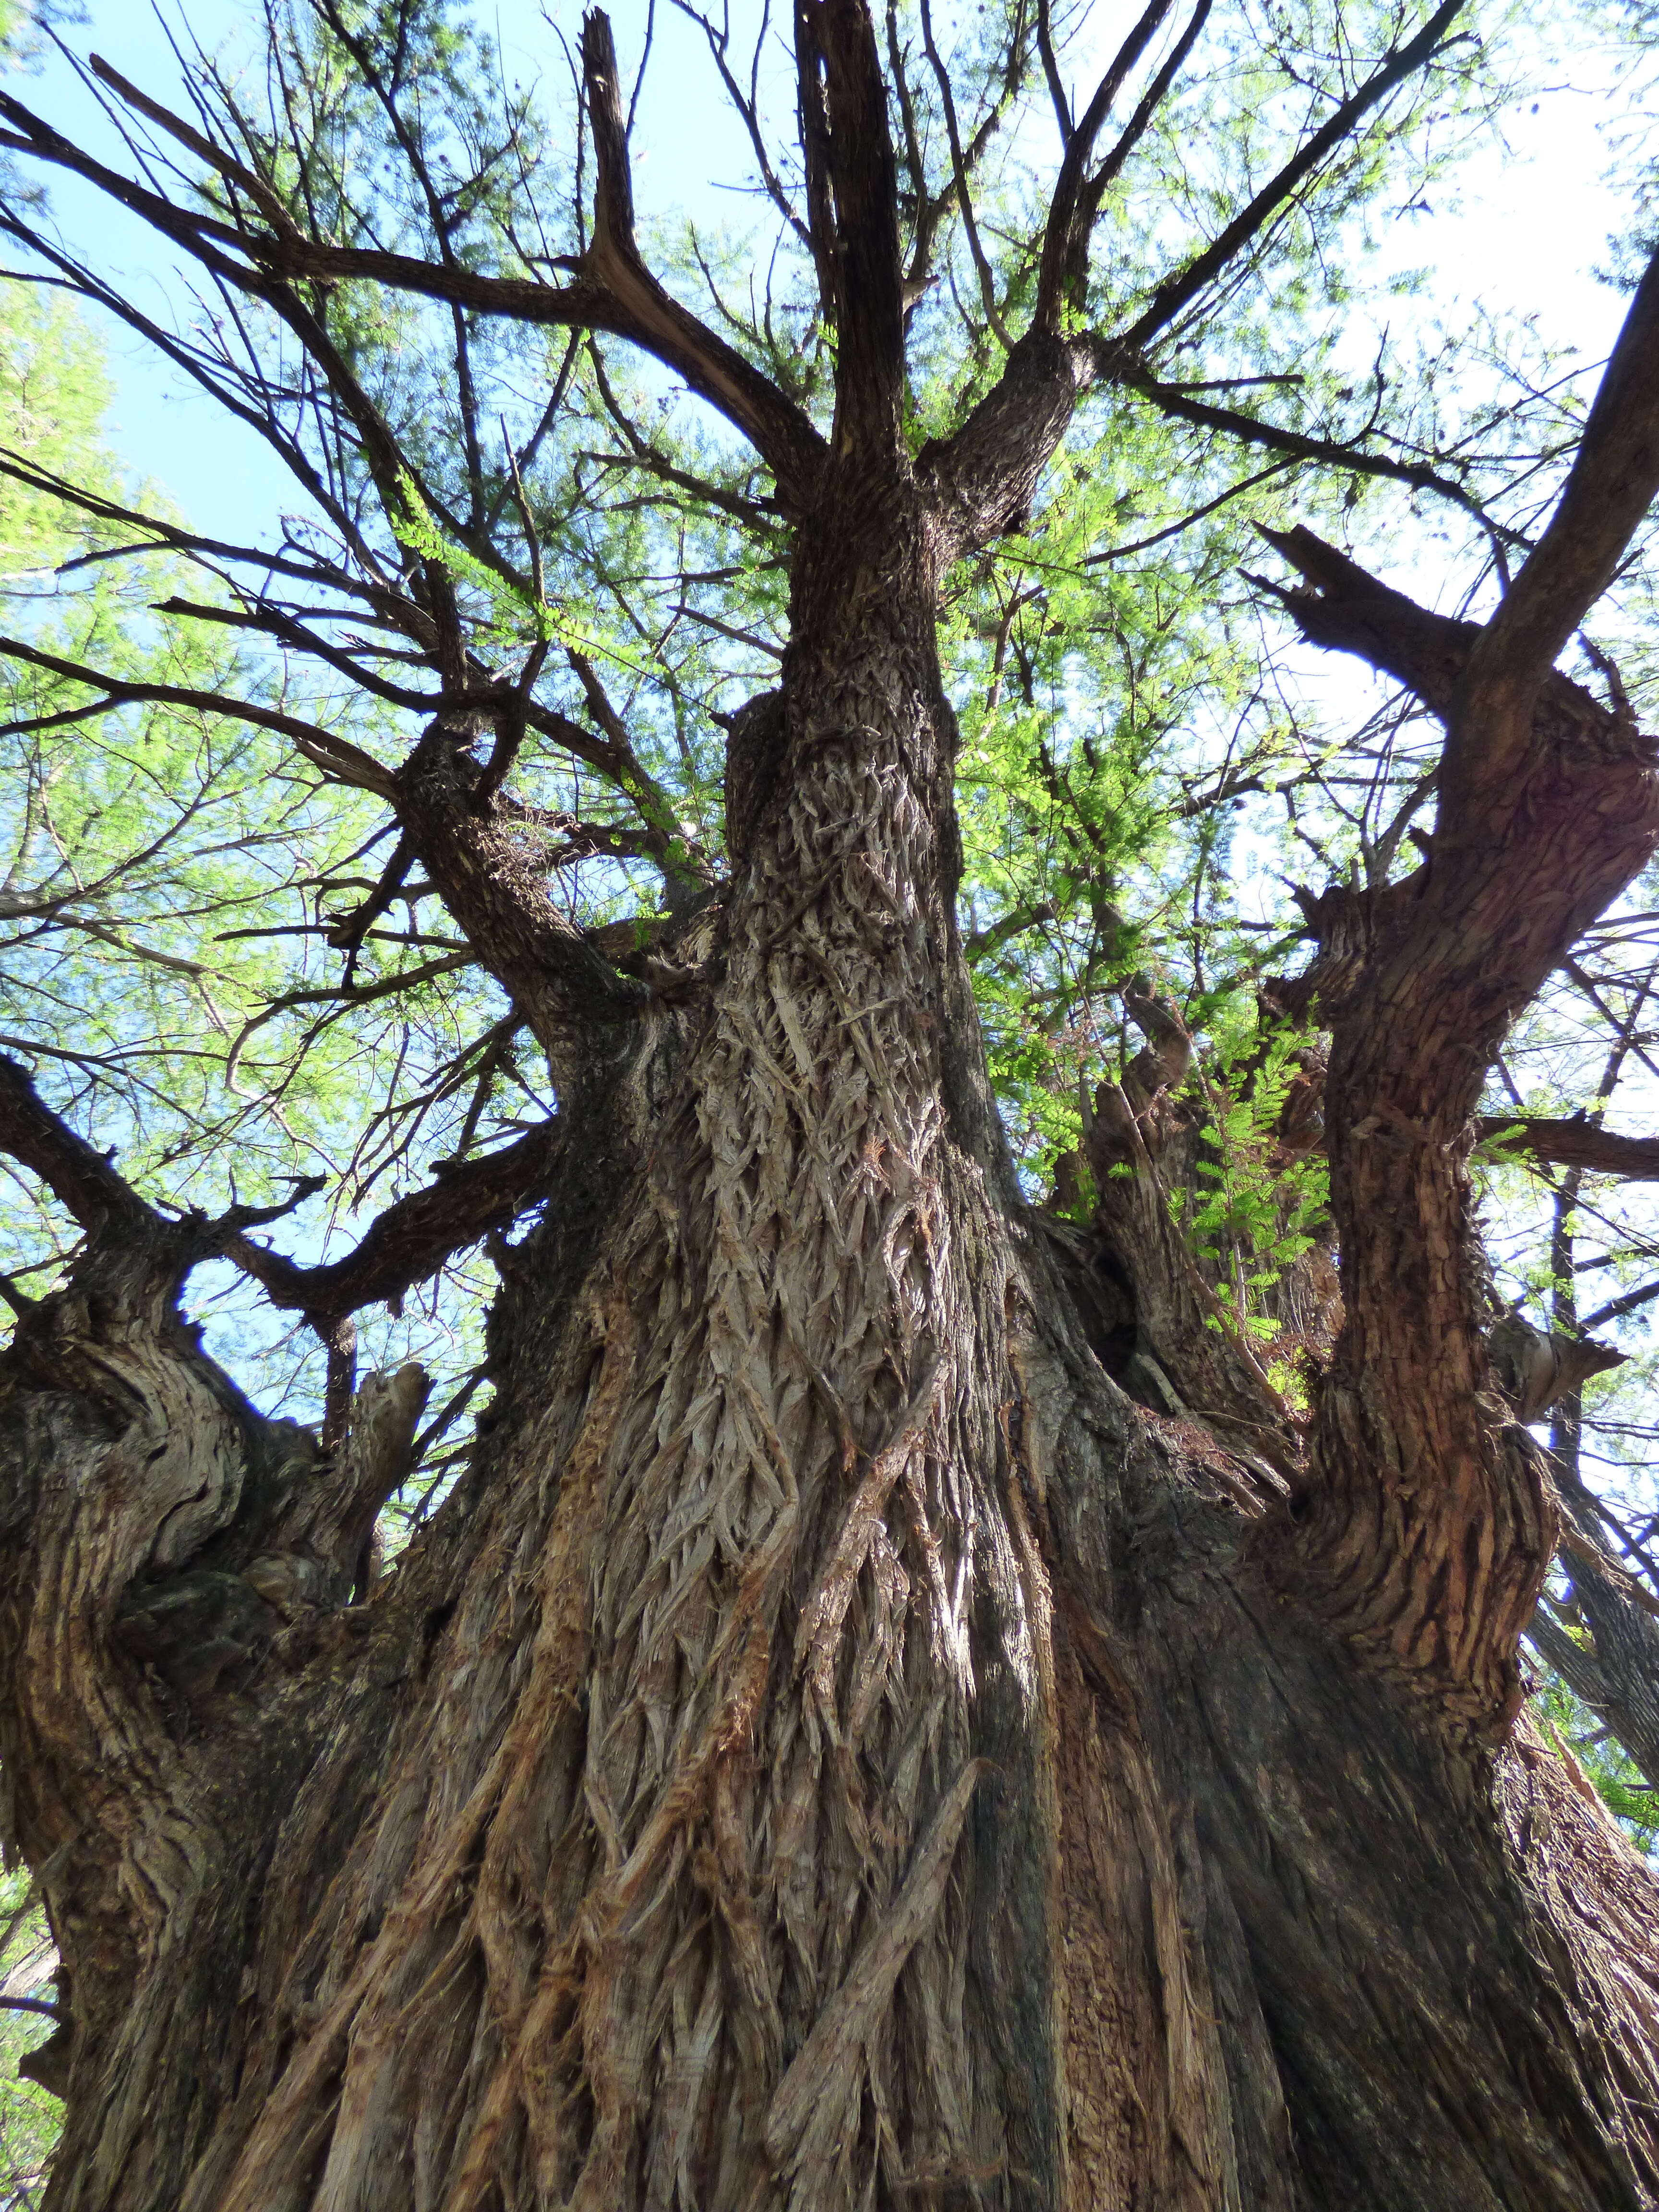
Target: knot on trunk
<point x="301" y="1542"/>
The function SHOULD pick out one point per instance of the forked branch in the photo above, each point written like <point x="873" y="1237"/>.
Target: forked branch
<point x="1428" y="1527"/>
<point x="1179" y="289"/>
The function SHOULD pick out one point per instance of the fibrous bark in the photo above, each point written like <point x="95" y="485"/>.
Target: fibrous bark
<point x="835" y="1746"/>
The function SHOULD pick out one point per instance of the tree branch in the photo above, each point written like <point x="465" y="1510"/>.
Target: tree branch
<point x="1424" y="976"/>
<point x="33" y="2004"/>
<point x="982" y="477"/>
<point x="611" y="290"/>
<point x="413" y="1237"/>
<point x="1572" y="1143"/>
<point x="573" y="998"/>
<point x="748" y="115"/>
<point x="1611" y="486"/>
<point x="1297" y="445"/>
<point x="109" y="1211"/>
<point x="638" y="308"/>
<point x="1346" y="609"/>
<point x="1178" y="291"/>
<point x="80" y="1177"/>
<point x="337" y="756"/>
<point x="835" y="42"/>
<point x="987" y="289"/>
<point x="1062" y="272"/>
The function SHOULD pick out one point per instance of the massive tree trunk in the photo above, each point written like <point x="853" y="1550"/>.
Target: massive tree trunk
<point x="835" y="1748"/>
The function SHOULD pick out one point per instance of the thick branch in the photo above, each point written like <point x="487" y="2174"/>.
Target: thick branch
<point x="982" y="479"/>
<point x="136" y="1250"/>
<point x="79" y="1177"/>
<point x="574" y="999"/>
<point x="837" y="42"/>
<point x="411" y="1239"/>
<point x="1572" y="1143"/>
<point x="637" y="307"/>
<point x="1346" y="610"/>
<point x="1428" y="1525"/>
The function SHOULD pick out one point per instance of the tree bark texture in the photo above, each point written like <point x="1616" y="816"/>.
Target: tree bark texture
<point x="835" y="1749"/>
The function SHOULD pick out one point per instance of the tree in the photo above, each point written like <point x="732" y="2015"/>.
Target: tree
<point x="899" y="1702"/>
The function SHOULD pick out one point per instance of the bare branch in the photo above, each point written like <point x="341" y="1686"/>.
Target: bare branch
<point x="959" y="173"/>
<point x="1063" y="269"/>
<point x="1297" y="445"/>
<point x="1178" y="291"/>
<point x="1574" y="1142"/>
<point x="1062" y="107"/>
<point x="337" y="756"/>
<point x="748" y="115"/>
<point x="1145" y="108"/>
<point x="1611" y="486"/>
<point x="414" y="1236"/>
<point x="612" y="290"/>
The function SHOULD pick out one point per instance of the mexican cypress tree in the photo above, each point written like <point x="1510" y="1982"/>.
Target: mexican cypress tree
<point x="900" y="1705"/>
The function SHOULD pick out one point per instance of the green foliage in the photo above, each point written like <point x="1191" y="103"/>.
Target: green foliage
<point x="1251" y="1212"/>
<point x="163" y="957"/>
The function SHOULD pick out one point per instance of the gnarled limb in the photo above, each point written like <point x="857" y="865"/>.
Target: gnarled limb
<point x="1428" y="1522"/>
<point x="413" y="1235"/>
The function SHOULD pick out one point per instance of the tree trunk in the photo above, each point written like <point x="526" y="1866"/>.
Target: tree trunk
<point x="835" y="1748"/>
